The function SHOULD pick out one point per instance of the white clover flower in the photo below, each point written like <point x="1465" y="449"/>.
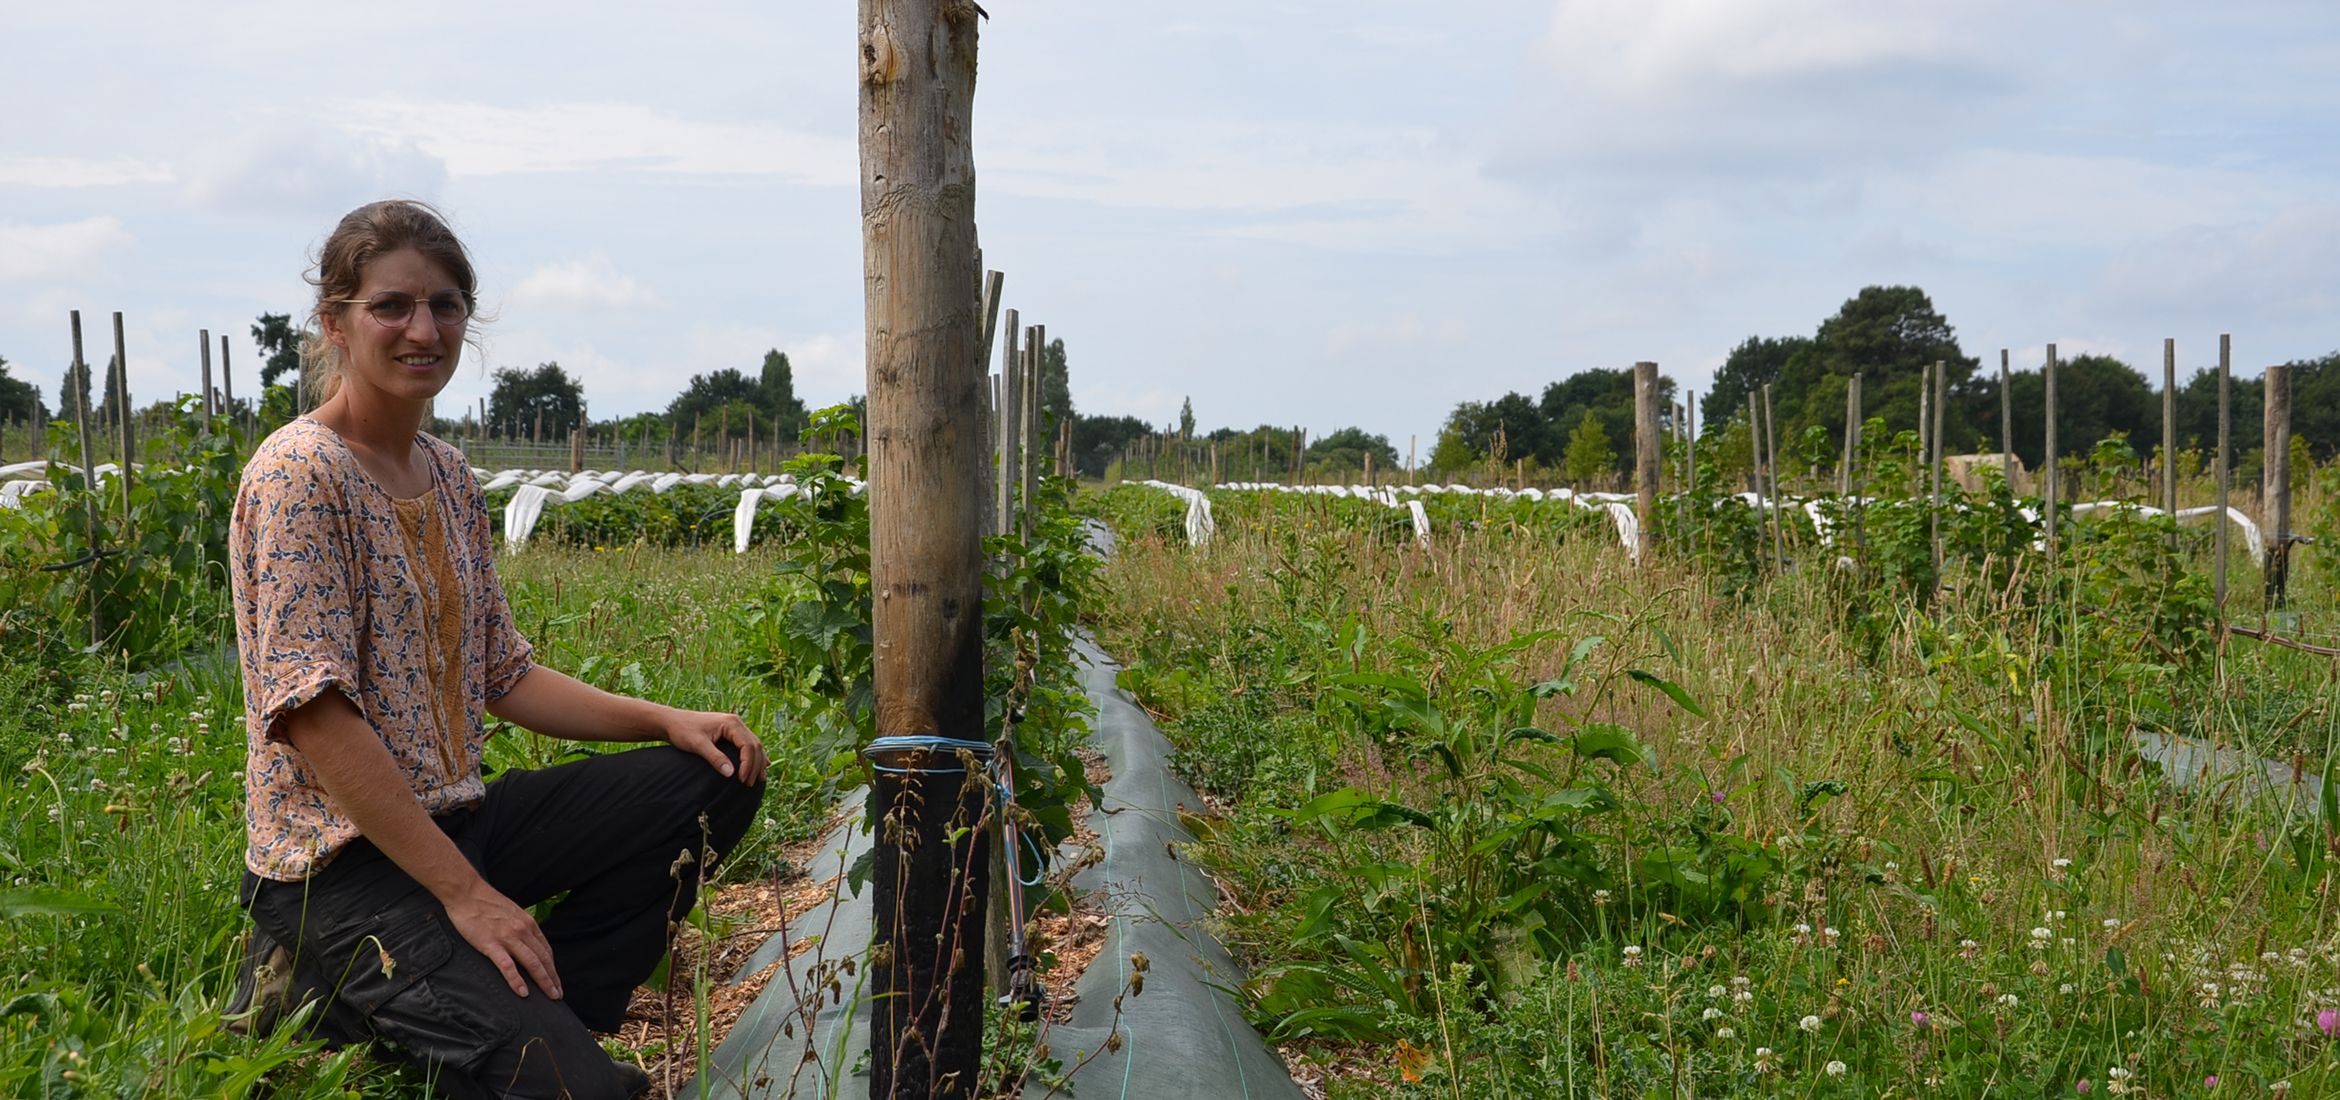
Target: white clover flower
<point x="1832" y="933"/>
<point x="1740" y="981"/>
<point x="1835" y="1069"/>
<point x="2112" y="922"/>
<point x="2117" y="1073"/>
<point x="2066" y="989"/>
<point x="1803" y="929"/>
<point x="1711" y="1014"/>
<point x="1742" y="997"/>
<point x="2042" y="935"/>
<point x="1809" y="1023"/>
<point x="1714" y="992"/>
<point x="1725" y="1033"/>
<point x="2060" y="863"/>
<point x="1632" y="955"/>
<point x="2008" y="1000"/>
<point x="1600" y="897"/>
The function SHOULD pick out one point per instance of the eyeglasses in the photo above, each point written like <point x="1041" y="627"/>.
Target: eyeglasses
<point x="394" y="310"/>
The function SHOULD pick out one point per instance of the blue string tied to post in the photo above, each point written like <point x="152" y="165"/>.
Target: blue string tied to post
<point x="904" y="747"/>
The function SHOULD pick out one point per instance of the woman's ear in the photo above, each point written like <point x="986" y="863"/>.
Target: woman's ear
<point x="329" y="324"/>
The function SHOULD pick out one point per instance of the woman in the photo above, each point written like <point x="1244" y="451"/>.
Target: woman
<point x="383" y="876"/>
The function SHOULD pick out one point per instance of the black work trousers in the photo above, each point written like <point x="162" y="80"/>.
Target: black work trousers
<point x="623" y="836"/>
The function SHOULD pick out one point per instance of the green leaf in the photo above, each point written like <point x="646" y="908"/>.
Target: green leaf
<point x="1673" y="690"/>
<point x="1608" y="741"/>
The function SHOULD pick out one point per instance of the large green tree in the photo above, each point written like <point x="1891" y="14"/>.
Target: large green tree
<point x="776" y="395"/>
<point x="520" y="396"/>
<point x="1590" y="458"/>
<point x="1889" y="335"/>
<point x="1473" y="428"/>
<point x="1345" y="450"/>
<point x="1756" y="361"/>
<point x="2096" y="395"/>
<point x="280" y="347"/>
<point x="1604" y="392"/>
<point x="709" y="392"/>
<point x="1056" y="403"/>
<point x="1097" y="440"/>
<point x="19" y="399"/>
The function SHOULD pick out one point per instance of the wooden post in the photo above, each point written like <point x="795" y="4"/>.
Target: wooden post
<point x="1011" y="420"/>
<point x="921" y="273"/>
<point x="1369" y="483"/>
<point x="227" y="381"/>
<point x="129" y="442"/>
<point x="1413" y="469"/>
<point x="2048" y="487"/>
<point x="89" y="497"/>
<point x="1029" y="466"/>
<point x="1934" y="464"/>
<point x="1690" y="432"/>
<point x="1647" y="454"/>
<point x="2275" y="486"/>
<point x="2169" y="494"/>
<point x="2225" y="449"/>
<point x="2006" y="423"/>
<point x="576" y="451"/>
<point x="1925" y="413"/>
<point x="1859" y="429"/>
<point x="203" y="351"/>
<point x="1852" y="434"/>
<point x="1771" y="446"/>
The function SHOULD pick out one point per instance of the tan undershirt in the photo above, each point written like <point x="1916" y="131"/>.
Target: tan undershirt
<point x="442" y="602"/>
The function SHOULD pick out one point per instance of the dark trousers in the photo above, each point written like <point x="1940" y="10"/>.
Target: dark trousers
<point x="623" y="836"/>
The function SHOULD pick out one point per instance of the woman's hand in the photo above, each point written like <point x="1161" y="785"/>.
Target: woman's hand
<point x="703" y="733"/>
<point x="508" y="936"/>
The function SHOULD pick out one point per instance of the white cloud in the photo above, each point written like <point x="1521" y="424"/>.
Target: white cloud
<point x="39" y="253"/>
<point x="590" y="282"/>
<point x="308" y="170"/>
<point x="477" y="139"/>
<point x="65" y="172"/>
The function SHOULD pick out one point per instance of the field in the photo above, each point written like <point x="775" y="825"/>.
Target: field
<point x="1496" y="814"/>
<point x="1506" y="816"/>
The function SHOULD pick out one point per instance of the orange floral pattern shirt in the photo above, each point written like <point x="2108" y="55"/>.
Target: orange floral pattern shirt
<point x="329" y="595"/>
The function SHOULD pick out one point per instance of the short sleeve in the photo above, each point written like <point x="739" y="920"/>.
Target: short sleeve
<point x="508" y="655"/>
<point x="292" y="544"/>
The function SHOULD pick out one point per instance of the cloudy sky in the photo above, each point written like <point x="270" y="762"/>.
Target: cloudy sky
<point x="1324" y="214"/>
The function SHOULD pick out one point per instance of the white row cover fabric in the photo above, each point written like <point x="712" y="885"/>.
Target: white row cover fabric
<point x="13" y="492"/>
<point x="1201" y="527"/>
<point x="18" y="469"/>
<point x="1620" y="508"/>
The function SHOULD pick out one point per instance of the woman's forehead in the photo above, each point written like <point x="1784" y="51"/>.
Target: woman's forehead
<point x="405" y="269"/>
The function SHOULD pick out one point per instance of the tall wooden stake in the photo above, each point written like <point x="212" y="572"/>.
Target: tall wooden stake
<point x="2006" y="424"/>
<point x="2276" y="486"/>
<point x="1647" y="453"/>
<point x="1771" y="447"/>
<point x="2169" y="495"/>
<point x="1029" y="467"/>
<point x="1852" y="434"/>
<point x="920" y="287"/>
<point x="227" y="380"/>
<point x="129" y="442"/>
<point x="2225" y="449"/>
<point x="203" y="349"/>
<point x="1934" y="462"/>
<point x="89" y="497"/>
<point x="1011" y="420"/>
<point x="2047" y="467"/>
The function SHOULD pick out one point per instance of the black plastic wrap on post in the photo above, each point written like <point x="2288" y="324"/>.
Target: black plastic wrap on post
<point x="929" y="893"/>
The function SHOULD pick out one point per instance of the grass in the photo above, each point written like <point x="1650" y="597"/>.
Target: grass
<point x="1956" y="877"/>
<point x="121" y="828"/>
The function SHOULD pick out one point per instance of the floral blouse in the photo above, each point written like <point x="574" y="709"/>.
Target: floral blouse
<point x="338" y="585"/>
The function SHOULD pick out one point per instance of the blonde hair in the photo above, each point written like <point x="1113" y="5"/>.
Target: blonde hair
<point x="364" y="233"/>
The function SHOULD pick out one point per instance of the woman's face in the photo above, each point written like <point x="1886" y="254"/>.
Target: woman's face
<point x="404" y="363"/>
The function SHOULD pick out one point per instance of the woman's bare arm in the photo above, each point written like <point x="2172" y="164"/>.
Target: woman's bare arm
<point x="355" y="768"/>
<point x="557" y="705"/>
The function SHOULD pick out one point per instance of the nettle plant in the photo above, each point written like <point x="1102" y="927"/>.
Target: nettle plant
<point x="1509" y="838"/>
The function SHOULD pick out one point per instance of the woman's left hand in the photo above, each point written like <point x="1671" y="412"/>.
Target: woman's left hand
<point x="703" y="733"/>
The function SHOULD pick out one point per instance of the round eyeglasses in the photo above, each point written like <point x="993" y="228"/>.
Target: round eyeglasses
<point x="394" y="310"/>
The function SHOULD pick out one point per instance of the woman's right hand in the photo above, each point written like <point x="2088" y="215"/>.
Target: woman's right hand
<point x="508" y="936"/>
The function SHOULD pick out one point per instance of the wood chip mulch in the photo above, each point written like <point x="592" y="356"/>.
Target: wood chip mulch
<point x="661" y="1028"/>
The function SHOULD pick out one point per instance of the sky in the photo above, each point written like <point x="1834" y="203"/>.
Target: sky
<point x="1329" y="214"/>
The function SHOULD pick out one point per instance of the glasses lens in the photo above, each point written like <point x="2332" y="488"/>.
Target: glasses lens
<point x="449" y="308"/>
<point x="391" y="309"/>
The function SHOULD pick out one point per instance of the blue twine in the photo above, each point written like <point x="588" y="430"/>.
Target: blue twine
<point x="946" y="747"/>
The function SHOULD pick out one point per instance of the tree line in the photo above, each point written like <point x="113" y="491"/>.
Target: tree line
<point x="1890" y="335"/>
